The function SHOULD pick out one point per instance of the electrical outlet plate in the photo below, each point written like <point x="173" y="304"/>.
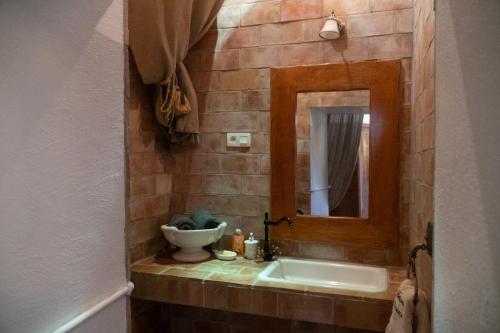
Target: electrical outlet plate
<point x="239" y="139"/>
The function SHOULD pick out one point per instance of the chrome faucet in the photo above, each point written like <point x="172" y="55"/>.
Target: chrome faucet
<point x="268" y="255"/>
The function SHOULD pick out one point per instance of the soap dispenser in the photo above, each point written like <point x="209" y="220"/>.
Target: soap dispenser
<point x="237" y="241"/>
<point x="251" y="245"/>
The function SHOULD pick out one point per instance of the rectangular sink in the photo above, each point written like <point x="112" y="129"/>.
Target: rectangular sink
<point x="326" y="274"/>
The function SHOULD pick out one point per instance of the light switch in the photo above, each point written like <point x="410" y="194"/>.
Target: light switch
<point x="239" y="139"/>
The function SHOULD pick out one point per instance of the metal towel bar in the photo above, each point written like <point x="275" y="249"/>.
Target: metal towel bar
<point x="412" y="269"/>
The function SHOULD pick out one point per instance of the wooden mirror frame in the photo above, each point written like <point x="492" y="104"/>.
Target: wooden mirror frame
<point x="382" y="78"/>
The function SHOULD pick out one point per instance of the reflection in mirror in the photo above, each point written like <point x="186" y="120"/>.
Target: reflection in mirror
<point x="332" y="144"/>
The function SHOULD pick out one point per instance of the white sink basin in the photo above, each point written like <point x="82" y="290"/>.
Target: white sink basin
<point x="326" y="274"/>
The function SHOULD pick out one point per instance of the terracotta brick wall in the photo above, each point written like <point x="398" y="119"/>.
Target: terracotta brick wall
<point x="149" y="168"/>
<point x="151" y="316"/>
<point x="423" y="134"/>
<point x="230" y="70"/>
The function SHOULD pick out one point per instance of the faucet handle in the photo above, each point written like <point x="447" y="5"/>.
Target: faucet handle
<point x="260" y="255"/>
<point x="276" y="252"/>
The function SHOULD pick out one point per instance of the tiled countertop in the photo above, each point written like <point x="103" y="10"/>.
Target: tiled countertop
<point x="233" y="286"/>
<point x="244" y="272"/>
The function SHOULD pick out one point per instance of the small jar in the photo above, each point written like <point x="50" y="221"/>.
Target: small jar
<point x="237" y="241"/>
<point x="251" y="245"/>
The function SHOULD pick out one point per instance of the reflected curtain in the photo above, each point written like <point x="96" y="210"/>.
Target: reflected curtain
<point x="344" y="134"/>
<point x="161" y="33"/>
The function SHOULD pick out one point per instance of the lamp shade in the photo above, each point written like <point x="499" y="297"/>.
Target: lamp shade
<point x="330" y="29"/>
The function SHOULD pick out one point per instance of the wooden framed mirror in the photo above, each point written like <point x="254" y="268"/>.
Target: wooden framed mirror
<point x="335" y="152"/>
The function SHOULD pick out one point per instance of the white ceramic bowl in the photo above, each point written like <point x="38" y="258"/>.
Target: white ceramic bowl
<point x="191" y="242"/>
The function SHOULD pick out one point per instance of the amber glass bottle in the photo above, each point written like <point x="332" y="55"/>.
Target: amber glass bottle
<point x="238" y="241"/>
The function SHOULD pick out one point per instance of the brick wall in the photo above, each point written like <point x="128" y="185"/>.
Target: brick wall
<point x="151" y="316"/>
<point x="149" y="168"/>
<point x="423" y="136"/>
<point x="230" y="70"/>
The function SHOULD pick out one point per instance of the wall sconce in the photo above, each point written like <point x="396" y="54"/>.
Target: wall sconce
<point x="333" y="27"/>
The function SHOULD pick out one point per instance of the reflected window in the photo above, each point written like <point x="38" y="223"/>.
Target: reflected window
<point x="332" y="169"/>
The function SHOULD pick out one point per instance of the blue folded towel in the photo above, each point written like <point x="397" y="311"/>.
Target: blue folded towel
<point x="182" y="222"/>
<point x="204" y="220"/>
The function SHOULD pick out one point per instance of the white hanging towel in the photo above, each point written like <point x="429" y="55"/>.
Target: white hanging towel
<point x="403" y="309"/>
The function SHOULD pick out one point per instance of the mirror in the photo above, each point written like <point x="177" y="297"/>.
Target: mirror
<point x="313" y="148"/>
<point x="332" y="153"/>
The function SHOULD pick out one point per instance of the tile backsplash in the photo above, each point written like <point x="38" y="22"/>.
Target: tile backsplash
<point x="230" y="70"/>
<point x="149" y="181"/>
<point x="423" y="135"/>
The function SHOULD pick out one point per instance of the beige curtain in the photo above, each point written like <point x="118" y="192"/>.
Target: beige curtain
<point x="161" y="33"/>
<point x="344" y="134"/>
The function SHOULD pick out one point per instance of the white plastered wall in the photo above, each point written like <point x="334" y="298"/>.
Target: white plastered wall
<point x="62" y="196"/>
<point x="467" y="221"/>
